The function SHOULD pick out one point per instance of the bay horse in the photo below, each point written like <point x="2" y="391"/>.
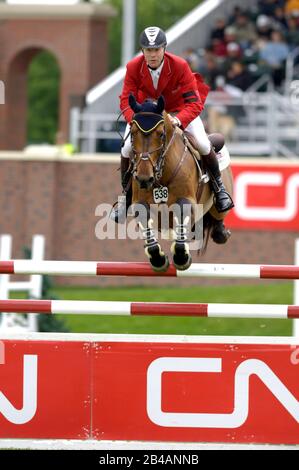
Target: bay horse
<point x="165" y="169"/>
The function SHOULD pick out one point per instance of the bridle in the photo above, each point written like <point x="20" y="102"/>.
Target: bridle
<point x="138" y="157"/>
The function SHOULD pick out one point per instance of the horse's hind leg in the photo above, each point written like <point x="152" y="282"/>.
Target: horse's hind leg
<point x="157" y="258"/>
<point x="180" y="247"/>
<point x="219" y="233"/>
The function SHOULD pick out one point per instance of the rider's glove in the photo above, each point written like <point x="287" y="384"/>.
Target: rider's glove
<point x="175" y="121"/>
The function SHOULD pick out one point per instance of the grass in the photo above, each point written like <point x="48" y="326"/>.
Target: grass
<point x="276" y="293"/>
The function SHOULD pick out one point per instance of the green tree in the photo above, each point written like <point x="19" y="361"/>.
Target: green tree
<point x="43" y="98"/>
<point x="148" y="12"/>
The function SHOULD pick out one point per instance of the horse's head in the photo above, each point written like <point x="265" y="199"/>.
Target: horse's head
<point x="148" y="137"/>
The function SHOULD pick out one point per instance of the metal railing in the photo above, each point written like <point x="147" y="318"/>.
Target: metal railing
<point x="253" y="123"/>
<point x="87" y="131"/>
<point x="290" y="69"/>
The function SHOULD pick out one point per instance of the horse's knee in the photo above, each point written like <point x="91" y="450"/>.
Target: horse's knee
<point x="141" y="211"/>
<point x="219" y="216"/>
<point x="220" y="234"/>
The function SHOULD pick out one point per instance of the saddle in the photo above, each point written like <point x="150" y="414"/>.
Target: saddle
<point x="217" y="140"/>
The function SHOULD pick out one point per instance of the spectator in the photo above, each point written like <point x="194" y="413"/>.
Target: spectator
<point x="264" y="27"/>
<point x="234" y="53"/>
<point x="292" y="34"/>
<point x="267" y="7"/>
<point x="233" y="50"/>
<point x="230" y="34"/>
<point x="220" y="118"/>
<point x="218" y="48"/>
<point x="238" y="76"/>
<point x="245" y="32"/>
<point x="274" y="55"/>
<point x="211" y="72"/>
<point x="279" y="18"/>
<point x="218" y="31"/>
<point x="292" y="7"/>
<point x="236" y="12"/>
<point x="192" y="58"/>
<point x="204" y="55"/>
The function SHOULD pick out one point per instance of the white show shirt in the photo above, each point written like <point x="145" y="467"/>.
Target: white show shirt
<point x="155" y="74"/>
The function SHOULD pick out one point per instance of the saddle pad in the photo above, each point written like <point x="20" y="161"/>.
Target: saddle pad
<point x="223" y="158"/>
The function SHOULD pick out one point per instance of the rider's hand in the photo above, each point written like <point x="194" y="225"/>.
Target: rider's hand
<point x="174" y="120"/>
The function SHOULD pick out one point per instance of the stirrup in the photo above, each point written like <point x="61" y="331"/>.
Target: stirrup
<point x="205" y="178"/>
<point x="119" y="212"/>
<point x="223" y="204"/>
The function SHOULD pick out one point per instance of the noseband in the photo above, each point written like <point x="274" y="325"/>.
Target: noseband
<point x="146" y="156"/>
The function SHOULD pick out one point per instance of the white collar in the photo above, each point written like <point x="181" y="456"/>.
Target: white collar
<point x="157" y="71"/>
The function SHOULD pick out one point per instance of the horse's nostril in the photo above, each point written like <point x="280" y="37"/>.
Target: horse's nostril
<point x="145" y="183"/>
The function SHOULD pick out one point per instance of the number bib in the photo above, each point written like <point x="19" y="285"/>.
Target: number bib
<point x="160" y="194"/>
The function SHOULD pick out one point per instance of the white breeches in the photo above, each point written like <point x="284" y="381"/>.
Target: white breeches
<point x="196" y="128"/>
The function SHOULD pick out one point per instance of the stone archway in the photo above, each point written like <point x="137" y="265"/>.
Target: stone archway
<point x="16" y="99"/>
<point x="76" y="36"/>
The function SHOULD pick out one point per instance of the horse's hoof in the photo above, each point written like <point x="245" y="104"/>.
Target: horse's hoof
<point x="158" y="259"/>
<point x="181" y="257"/>
<point x="183" y="267"/>
<point x="161" y="269"/>
<point x="220" y="234"/>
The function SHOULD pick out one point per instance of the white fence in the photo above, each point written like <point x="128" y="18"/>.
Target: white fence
<point x="11" y="322"/>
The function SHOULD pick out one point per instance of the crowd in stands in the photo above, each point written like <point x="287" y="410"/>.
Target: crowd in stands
<point x="249" y="44"/>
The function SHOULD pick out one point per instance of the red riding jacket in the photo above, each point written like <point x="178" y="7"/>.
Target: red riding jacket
<point x="184" y="92"/>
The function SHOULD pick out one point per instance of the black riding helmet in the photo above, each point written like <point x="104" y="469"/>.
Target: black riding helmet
<point x="152" y="38"/>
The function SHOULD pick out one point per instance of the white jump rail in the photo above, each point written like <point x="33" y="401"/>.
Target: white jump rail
<point x="105" y="268"/>
<point x="150" y="308"/>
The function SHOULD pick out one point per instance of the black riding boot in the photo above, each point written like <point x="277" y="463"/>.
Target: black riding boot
<point x="223" y="201"/>
<point x="119" y="213"/>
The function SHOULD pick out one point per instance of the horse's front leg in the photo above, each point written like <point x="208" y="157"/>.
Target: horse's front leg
<point x="157" y="258"/>
<point x="180" y="247"/>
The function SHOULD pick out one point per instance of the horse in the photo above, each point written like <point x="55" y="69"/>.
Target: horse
<point x="165" y="170"/>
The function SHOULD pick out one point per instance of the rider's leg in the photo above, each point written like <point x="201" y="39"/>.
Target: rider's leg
<point x="223" y="201"/>
<point x="119" y="214"/>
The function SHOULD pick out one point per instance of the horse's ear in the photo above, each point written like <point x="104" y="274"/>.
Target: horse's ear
<point x="160" y="105"/>
<point x="134" y="105"/>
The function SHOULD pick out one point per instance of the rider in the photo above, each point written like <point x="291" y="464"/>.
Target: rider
<point x="156" y="73"/>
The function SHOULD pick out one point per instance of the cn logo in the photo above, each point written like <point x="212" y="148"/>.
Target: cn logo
<point x="26" y="413"/>
<point x="241" y="392"/>
<point x="252" y="178"/>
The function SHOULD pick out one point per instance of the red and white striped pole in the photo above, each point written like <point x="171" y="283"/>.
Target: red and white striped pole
<point x="114" y="268"/>
<point x="150" y="308"/>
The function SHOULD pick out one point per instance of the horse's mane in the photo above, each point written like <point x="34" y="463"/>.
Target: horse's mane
<point x="168" y="125"/>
